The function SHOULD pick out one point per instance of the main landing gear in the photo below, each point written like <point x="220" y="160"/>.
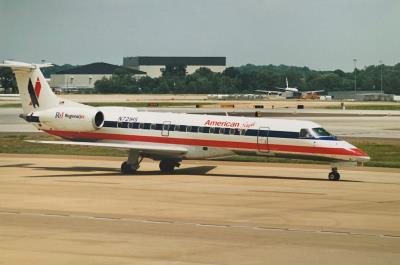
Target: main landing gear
<point x="134" y="159"/>
<point x="334" y="174"/>
<point x="132" y="164"/>
<point x="168" y="165"/>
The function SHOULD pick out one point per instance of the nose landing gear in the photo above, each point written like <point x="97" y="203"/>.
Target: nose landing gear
<point x="334" y="174"/>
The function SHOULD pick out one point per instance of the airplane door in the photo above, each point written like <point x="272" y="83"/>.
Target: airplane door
<point x="165" y="128"/>
<point x="262" y="139"/>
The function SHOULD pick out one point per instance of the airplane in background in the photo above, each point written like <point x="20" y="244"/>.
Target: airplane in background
<point x="173" y="137"/>
<point x="294" y="92"/>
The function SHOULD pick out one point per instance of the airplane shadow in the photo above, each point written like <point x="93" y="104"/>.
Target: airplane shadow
<point x="197" y="170"/>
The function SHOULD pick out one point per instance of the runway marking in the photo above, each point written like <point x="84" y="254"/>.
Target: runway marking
<point x="290" y="192"/>
<point x="335" y="232"/>
<point x="105" y="218"/>
<point x="155" y="221"/>
<point x="213" y="225"/>
<point x="51" y="214"/>
<point x="88" y="182"/>
<point x="393" y="236"/>
<point x="224" y="226"/>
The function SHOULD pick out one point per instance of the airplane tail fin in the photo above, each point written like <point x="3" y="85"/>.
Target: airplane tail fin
<point x="34" y="90"/>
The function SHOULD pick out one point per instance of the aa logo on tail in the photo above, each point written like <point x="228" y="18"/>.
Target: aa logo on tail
<point x="34" y="92"/>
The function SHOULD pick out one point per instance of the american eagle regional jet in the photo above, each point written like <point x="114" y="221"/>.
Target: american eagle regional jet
<point x="172" y="137"/>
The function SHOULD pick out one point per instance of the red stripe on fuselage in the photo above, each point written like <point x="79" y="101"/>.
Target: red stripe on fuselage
<point x="209" y="143"/>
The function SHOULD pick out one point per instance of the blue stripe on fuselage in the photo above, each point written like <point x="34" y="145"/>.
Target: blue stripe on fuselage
<point x="195" y="129"/>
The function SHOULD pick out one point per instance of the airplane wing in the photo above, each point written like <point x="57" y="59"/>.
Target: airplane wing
<point x="312" y="91"/>
<point x="269" y="91"/>
<point x="145" y="148"/>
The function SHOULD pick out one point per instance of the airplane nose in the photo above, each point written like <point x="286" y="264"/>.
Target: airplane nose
<point x="360" y="155"/>
<point x="363" y="159"/>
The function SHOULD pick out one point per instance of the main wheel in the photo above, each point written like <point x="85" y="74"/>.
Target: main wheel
<point x="127" y="168"/>
<point x="334" y="176"/>
<point x="168" y="166"/>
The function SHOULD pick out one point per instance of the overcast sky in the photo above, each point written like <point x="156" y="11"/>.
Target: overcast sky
<point x="320" y="34"/>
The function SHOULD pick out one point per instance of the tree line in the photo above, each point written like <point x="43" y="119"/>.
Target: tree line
<point x="248" y="78"/>
<point x="243" y="79"/>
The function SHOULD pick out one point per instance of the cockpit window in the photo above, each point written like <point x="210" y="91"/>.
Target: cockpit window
<point x="321" y="132"/>
<point x="305" y="133"/>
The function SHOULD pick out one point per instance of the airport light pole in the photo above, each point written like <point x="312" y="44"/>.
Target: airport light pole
<point x="381" y="62"/>
<point x="355" y="76"/>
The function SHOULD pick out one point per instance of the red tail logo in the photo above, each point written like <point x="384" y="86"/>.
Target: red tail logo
<point x="38" y="87"/>
<point x="34" y="92"/>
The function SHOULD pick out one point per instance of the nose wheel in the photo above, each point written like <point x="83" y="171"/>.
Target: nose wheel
<point x="334" y="175"/>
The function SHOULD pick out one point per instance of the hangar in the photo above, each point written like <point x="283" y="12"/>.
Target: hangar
<point x="155" y="65"/>
<point x="84" y="77"/>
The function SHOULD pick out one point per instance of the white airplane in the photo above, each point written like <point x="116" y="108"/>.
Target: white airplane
<point x="293" y="90"/>
<point x="171" y="137"/>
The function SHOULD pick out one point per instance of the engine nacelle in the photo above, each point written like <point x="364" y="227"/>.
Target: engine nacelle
<point x="71" y="119"/>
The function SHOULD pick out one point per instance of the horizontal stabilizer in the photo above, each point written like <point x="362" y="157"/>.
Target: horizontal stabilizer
<point x="21" y="65"/>
<point x="161" y="149"/>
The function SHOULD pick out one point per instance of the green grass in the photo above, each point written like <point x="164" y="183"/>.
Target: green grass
<point x="11" y="105"/>
<point x="15" y="144"/>
<point x="383" y="153"/>
<point x="368" y="107"/>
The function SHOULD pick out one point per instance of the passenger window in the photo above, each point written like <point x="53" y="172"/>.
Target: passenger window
<point x="152" y="126"/>
<point x="221" y="130"/>
<point x="141" y="125"/>
<point x="304" y="133"/>
<point x="188" y="128"/>
<point x="177" y="128"/>
<point x="211" y="130"/>
<point x="232" y="131"/>
<point x="201" y="129"/>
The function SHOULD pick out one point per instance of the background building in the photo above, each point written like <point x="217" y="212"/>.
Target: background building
<point x="154" y="66"/>
<point x="84" y="77"/>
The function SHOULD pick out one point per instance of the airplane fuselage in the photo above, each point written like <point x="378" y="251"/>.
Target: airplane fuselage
<point x="206" y="136"/>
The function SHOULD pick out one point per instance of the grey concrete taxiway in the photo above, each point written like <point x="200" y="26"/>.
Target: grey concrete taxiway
<point x="80" y="210"/>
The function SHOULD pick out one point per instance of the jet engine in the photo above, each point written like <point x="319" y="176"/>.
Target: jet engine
<point x="70" y="119"/>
